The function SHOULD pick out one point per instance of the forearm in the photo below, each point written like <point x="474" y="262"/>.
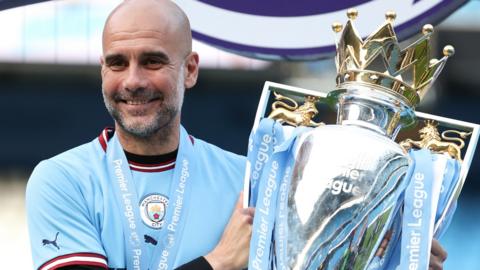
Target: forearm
<point x="199" y="263"/>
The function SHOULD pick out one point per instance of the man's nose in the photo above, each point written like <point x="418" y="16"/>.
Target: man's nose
<point x="136" y="79"/>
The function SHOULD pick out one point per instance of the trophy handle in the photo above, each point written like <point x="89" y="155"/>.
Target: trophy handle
<point x="466" y="128"/>
<point x="269" y="88"/>
<point x="294" y="115"/>
<point x="430" y="138"/>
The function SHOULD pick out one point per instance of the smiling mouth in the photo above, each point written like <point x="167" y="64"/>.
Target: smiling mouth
<point x="136" y="102"/>
<point x="139" y="102"/>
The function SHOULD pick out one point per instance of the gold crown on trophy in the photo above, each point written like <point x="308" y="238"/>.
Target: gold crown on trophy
<point x="408" y="72"/>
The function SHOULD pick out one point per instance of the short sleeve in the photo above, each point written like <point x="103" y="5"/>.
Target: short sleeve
<point x="60" y="226"/>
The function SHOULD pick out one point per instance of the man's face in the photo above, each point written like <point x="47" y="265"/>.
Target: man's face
<point x="143" y="72"/>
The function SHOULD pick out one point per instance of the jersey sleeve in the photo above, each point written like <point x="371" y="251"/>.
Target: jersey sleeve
<point x="61" y="228"/>
<point x="199" y="263"/>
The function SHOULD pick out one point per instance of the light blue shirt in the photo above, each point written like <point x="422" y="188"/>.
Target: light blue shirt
<point x="69" y="194"/>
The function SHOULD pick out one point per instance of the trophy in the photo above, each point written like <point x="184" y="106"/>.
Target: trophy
<point x="327" y="195"/>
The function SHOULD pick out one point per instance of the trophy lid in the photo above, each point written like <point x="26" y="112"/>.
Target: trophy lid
<point x="355" y="59"/>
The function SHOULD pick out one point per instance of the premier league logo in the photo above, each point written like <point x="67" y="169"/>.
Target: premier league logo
<point x="152" y="210"/>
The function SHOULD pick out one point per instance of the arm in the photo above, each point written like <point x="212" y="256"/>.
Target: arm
<point x="199" y="263"/>
<point x="61" y="229"/>
<point x="233" y="248"/>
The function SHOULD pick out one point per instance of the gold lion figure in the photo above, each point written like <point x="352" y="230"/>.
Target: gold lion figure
<point x="430" y="139"/>
<point x="293" y="114"/>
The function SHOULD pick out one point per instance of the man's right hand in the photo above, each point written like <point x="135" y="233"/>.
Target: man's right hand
<point x="233" y="248"/>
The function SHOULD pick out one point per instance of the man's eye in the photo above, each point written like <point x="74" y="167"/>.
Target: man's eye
<point x="117" y="65"/>
<point x="153" y="63"/>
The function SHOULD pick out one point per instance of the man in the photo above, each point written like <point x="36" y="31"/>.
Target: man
<point x="144" y="195"/>
<point x="83" y="204"/>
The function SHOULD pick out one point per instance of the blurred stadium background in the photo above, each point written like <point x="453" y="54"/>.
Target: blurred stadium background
<point x="51" y="101"/>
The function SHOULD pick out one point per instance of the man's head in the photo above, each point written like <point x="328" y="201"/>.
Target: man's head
<point x="147" y="64"/>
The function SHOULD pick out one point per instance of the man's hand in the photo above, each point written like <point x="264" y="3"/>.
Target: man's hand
<point x="437" y="256"/>
<point x="383" y="245"/>
<point x="233" y="249"/>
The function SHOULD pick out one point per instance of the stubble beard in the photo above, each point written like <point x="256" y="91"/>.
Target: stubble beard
<point x="161" y="125"/>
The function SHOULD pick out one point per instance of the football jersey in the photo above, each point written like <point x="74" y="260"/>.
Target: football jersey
<point x="73" y="215"/>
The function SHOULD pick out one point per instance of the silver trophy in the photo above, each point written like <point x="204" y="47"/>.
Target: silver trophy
<point x="347" y="177"/>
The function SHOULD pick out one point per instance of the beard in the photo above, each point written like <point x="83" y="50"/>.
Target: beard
<point x="162" y="120"/>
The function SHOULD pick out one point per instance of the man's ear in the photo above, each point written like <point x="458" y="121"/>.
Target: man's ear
<point x="191" y="70"/>
<point x="102" y="66"/>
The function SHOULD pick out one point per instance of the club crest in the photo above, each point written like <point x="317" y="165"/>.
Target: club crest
<point x="152" y="210"/>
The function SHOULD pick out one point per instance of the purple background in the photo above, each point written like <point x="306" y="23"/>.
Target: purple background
<point x="4" y="4"/>
<point x="403" y="31"/>
<point x="284" y="8"/>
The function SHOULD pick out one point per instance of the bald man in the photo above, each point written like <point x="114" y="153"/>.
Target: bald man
<point x="146" y="194"/>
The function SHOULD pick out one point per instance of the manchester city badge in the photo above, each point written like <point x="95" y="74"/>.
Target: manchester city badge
<point x="152" y="210"/>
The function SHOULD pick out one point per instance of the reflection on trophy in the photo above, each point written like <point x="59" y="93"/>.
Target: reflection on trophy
<point x="340" y="189"/>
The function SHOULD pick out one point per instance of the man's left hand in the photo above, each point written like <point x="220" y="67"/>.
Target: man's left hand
<point x="438" y="255"/>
